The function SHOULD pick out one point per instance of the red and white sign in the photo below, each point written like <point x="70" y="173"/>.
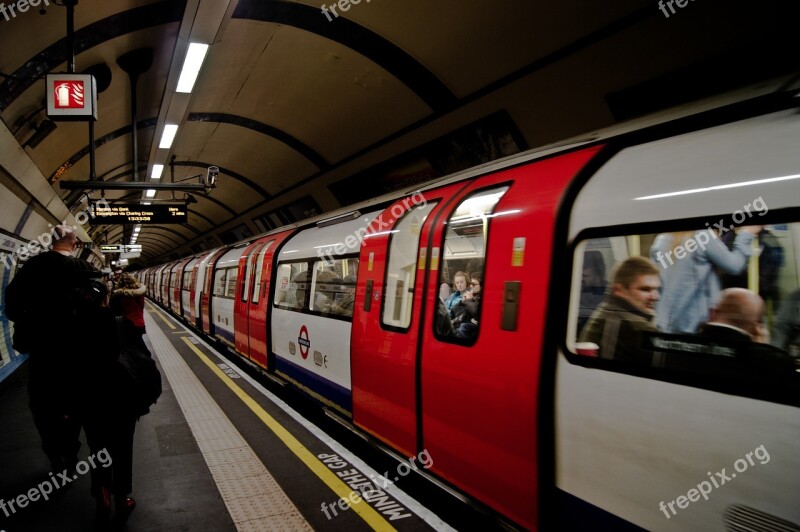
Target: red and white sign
<point x="71" y="97"/>
<point x="304" y="341"/>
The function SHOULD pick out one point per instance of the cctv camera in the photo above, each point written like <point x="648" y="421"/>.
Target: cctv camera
<point x="211" y="176"/>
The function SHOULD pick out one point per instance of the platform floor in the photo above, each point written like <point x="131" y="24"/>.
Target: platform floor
<point x="221" y="452"/>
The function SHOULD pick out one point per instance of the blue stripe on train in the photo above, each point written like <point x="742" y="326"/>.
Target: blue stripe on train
<point x="322" y="386"/>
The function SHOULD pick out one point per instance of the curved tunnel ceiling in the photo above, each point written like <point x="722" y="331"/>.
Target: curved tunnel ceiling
<point x="304" y="112"/>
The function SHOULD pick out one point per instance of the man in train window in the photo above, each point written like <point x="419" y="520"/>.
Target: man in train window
<point x="616" y="326"/>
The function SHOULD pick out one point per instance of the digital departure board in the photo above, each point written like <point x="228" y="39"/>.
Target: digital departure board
<point x="158" y="213"/>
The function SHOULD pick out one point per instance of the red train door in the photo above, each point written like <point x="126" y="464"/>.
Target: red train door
<point x="259" y="299"/>
<point x="205" y="295"/>
<point x="241" y="305"/>
<point x="386" y="321"/>
<point x="480" y="373"/>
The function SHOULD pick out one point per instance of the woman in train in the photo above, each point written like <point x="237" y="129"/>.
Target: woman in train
<point x="691" y="286"/>
<point x="460" y="288"/>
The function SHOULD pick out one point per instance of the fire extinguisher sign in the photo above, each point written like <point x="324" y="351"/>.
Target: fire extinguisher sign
<point x="71" y="97"/>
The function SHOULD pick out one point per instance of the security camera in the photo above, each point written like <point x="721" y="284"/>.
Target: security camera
<point x="211" y="176"/>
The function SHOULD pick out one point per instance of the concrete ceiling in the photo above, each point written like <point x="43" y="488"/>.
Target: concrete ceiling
<point x="305" y="111"/>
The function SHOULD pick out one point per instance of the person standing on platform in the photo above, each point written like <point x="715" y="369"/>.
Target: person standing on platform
<point x="128" y="301"/>
<point x="41" y="301"/>
<point x="108" y="415"/>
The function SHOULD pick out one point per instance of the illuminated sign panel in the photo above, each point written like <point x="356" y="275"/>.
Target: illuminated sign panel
<point x="160" y="213"/>
<point x="71" y="97"/>
<point x="121" y="248"/>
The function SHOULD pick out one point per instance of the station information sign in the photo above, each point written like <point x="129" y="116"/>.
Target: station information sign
<point x="120" y="248"/>
<point x="158" y="213"/>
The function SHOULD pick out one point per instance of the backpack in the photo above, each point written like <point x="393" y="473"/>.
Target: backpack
<point x="141" y="375"/>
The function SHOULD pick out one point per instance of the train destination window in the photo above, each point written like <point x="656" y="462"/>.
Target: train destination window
<point x="292" y="279"/>
<point x="333" y="287"/>
<point x="401" y="269"/>
<point x="692" y="302"/>
<point x="259" y="268"/>
<point x="457" y="316"/>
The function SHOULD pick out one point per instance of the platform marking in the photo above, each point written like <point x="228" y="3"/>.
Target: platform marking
<point x="364" y="510"/>
<point x="160" y="315"/>
<point x="422" y="512"/>
<point x="253" y="498"/>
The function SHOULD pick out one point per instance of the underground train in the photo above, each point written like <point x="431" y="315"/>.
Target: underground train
<point x="516" y="413"/>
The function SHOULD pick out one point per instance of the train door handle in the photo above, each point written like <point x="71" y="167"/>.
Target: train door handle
<point x="510" y="305"/>
<point x="368" y="296"/>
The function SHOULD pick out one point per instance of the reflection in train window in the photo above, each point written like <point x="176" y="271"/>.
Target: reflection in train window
<point x="292" y="279"/>
<point x="457" y="315"/>
<point x="402" y="268"/>
<point x="691" y="301"/>
<point x="333" y="287"/>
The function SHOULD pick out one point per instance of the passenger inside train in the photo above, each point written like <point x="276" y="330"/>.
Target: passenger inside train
<point x="682" y="269"/>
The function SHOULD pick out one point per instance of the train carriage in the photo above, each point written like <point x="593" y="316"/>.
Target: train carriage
<point x="547" y="433"/>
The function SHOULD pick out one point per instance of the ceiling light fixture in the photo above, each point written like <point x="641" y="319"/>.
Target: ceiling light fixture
<point x="191" y="66"/>
<point x="157" y="170"/>
<point x="151" y="193"/>
<point x="170" y="130"/>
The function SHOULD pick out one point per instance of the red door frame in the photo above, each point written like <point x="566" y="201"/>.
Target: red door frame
<point x="258" y="314"/>
<point x="384" y="359"/>
<point x="480" y="403"/>
<point x="241" y="325"/>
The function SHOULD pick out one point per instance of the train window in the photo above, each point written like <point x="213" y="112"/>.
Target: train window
<point x="722" y="305"/>
<point x="292" y="279"/>
<point x="333" y="287"/>
<point x="187" y="277"/>
<point x="259" y="270"/>
<point x="219" y="283"/>
<point x="230" y="286"/>
<point x="249" y="272"/>
<point x="458" y="306"/>
<point x="401" y="269"/>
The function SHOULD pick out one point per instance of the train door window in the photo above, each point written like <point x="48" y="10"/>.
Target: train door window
<point x="230" y="286"/>
<point x="219" y="283"/>
<point x="691" y="301"/>
<point x="248" y="274"/>
<point x="292" y="280"/>
<point x="401" y="269"/>
<point x="333" y="287"/>
<point x="187" y="277"/>
<point x="457" y="315"/>
<point x="259" y="269"/>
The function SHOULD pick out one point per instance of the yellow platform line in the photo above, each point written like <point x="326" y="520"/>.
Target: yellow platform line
<point x="364" y="510"/>
<point x="155" y="311"/>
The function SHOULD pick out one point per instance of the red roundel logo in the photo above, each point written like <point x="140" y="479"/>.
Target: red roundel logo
<point x="304" y="342"/>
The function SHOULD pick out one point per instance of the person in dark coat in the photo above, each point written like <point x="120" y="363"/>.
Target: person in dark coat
<point x="41" y="301"/>
<point x="466" y="322"/>
<point x="738" y="322"/>
<point x="128" y="301"/>
<point x="108" y="416"/>
<point x="619" y="323"/>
